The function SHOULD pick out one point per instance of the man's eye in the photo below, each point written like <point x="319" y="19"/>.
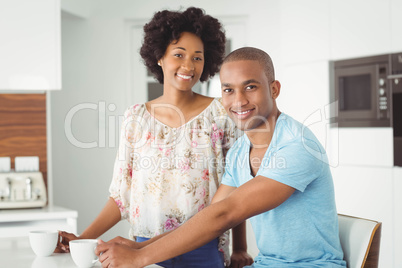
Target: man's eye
<point x="227" y="90"/>
<point x="250" y="87"/>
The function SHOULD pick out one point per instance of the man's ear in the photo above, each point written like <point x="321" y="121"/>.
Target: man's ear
<point x="275" y="89"/>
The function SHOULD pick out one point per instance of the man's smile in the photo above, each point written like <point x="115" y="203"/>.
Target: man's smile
<point x="241" y="114"/>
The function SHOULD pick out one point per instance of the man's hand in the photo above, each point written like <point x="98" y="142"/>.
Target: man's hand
<point x="240" y="258"/>
<point x="128" y="242"/>
<point x="117" y="255"/>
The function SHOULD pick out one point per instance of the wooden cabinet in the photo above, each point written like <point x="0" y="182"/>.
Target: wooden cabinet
<point x="30" y="45"/>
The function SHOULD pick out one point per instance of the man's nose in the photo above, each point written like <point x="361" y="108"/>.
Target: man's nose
<point x="240" y="99"/>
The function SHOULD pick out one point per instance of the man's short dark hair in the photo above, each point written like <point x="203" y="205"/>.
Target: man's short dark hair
<point x="255" y="54"/>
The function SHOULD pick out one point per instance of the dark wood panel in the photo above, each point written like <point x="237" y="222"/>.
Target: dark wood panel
<point x="23" y="127"/>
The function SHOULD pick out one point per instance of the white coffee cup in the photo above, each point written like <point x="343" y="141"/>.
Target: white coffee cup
<point x="43" y="243"/>
<point x="83" y="252"/>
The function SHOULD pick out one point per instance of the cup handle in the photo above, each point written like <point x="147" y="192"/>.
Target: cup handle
<point x="97" y="258"/>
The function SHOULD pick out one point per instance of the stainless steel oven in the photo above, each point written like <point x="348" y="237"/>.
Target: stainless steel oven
<point x="362" y="92"/>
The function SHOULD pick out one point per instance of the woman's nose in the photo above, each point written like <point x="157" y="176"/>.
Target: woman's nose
<point x="188" y="65"/>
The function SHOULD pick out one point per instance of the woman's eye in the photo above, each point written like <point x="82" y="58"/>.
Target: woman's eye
<point x="198" y="59"/>
<point x="178" y="55"/>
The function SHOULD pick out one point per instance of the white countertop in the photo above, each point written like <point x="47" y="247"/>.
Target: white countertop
<point x="46" y="213"/>
<point x="18" y="222"/>
<point x="17" y="253"/>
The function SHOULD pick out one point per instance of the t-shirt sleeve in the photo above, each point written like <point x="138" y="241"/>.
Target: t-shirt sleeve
<point x="293" y="165"/>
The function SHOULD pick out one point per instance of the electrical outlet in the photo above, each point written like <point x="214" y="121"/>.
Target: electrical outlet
<point x="26" y="163"/>
<point x="5" y="164"/>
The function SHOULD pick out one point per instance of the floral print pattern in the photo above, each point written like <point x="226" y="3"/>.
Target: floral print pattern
<point x="163" y="175"/>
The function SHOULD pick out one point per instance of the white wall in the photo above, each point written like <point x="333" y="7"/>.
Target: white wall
<point x="93" y="68"/>
<point x="301" y="37"/>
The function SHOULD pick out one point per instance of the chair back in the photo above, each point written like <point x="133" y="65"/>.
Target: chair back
<point x="360" y="240"/>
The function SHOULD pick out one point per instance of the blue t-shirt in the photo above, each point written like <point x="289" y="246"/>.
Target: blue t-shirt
<point x="302" y="231"/>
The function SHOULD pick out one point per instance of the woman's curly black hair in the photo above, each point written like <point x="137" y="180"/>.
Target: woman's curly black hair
<point x="167" y="26"/>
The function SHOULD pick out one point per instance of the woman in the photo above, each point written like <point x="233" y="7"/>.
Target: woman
<point x="172" y="148"/>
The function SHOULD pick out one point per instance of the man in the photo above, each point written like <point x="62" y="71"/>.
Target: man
<point x="276" y="174"/>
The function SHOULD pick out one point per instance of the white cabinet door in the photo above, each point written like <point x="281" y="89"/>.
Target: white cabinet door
<point x="30" y="56"/>
<point x="367" y="192"/>
<point x="305" y="95"/>
<point x="304" y="31"/>
<point x="396" y="25"/>
<point x="360" y="28"/>
<point x="365" y="146"/>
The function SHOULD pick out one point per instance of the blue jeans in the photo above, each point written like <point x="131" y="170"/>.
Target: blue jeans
<point x="206" y="256"/>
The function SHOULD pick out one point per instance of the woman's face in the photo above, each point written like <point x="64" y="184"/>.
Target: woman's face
<point x="183" y="62"/>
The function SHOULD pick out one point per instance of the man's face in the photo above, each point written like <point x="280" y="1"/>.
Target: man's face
<point x="247" y="95"/>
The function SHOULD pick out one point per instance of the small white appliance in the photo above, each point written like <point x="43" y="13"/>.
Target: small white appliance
<point x="22" y="190"/>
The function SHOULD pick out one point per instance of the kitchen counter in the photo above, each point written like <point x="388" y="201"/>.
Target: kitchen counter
<point x="17" y="253"/>
<point x="15" y="224"/>
<point x="18" y="222"/>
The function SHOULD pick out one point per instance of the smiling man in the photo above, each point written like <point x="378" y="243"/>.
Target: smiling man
<point x="276" y="174"/>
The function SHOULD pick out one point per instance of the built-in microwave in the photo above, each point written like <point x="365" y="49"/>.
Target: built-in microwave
<point x="360" y="92"/>
<point x="367" y="92"/>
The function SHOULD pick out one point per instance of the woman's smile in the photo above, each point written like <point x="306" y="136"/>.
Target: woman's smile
<point x="185" y="77"/>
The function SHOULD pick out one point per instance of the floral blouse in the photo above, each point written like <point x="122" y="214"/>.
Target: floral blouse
<point x="163" y="175"/>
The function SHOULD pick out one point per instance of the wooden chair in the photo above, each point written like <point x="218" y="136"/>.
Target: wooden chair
<point x="360" y="240"/>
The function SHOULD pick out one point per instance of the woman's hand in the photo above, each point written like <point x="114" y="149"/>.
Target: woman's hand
<point x="63" y="242"/>
<point x="240" y="258"/>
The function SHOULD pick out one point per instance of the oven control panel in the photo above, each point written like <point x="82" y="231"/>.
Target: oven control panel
<point x="383" y="92"/>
